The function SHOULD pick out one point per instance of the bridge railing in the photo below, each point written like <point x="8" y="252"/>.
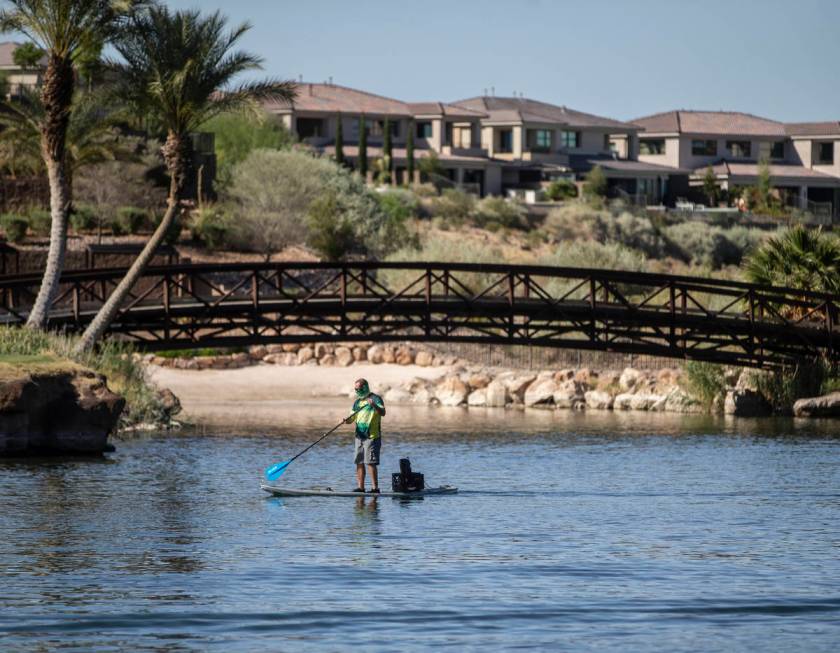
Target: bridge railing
<point x="633" y="312"/>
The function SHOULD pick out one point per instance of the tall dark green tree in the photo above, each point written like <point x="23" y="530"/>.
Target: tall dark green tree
<point x="409" y="153"/>
<point x="339" y="141"/>
<point x="179" y="66"/>
<point x="387" y="152"/>
<point x="363" y="162"/>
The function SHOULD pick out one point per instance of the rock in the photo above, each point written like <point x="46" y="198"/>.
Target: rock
<point x="540" y="392"/>
<point x="374" y="354"/>
<point x="343" y="356"/>
<point x="646" y="401"/>
<point x="424" y="396"/>
<point x="608" y="381"/>
<point x="327" y="360"/>
<point x="746" y="403"/>
<point x="517" y="386"/>
<point x="275" y="349"/>
<point x="240" y="359"/>
<point x="824" y="406"/>
<point x="304" y="355"/>
<point x="388" y="355"/>
<point x="452" y="391"/>
<point x="359" y="354"/>
<point x="677" y="401"/>
<point x="169" y="402"/>
<point x="291" y="347"/>
<point x="404" y="356"/>
<point x="477" y="398"/>
<point x="322" y="349"/>
<point x="622" y="401"/>
<point x="598" y="399"/>
<point x="570" y="394"/>
<point x="68" y="410"/>
<point x="423" y="358"/>
<point x="629" y="378"/>
<point x="477" y="380"/>
<point x="586" y="376"/>
<point x="257" y="352"/>
<point x="438" y="361"/>
<point x="397" y="396"/>
<point x="204" y="362"/>
<point x="495" y="394"/>
<point x="564" y="375"/>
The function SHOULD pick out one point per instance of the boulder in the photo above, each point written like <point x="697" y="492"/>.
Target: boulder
<point x="477" y="397"/>
<point x="608" y="380"/>
<point x="586" y="376"/>
<point x="598" y="399"/>
<point x="397" y="396"/>
<point x="570" y="394"/>
<point x="678" y="401"/>
<point x="622" y="401"/>
<point x="321" y="349"/>
<point x="423" y="358"/>
<point x="67" y="410"/>
<point x="343" y="356"/>
<point x="629" y="378"/>
<point x="646" y="401"/>
<point x="517" y="385"/>
<point x="327" y="360"/>
<point x="204" y="362"/>
<point x="275" y="349"/>
<point x="374" y="354"/>
<point x="304" y="355"/>
<point x="540" y="392"/>
<point x="495" y="394"/>
<point x="824" y="406"/>
<point x="240" y="359"/>
<point x="257" y="352"/>
<point x="746" y="403"/>
<point x="388" y="355"/>
<point x="564" y="375"/>
<point x="403" y="356"/>
<point x="359" y="354"/>
<point x="452" y="391"/>
<point x="169" y="402"/>
<point x="477" y="380"/>
<point x="291" y="347"/>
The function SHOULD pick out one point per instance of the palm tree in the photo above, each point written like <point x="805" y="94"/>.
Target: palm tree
<point x="60" y="28"/>
<point x="179" y="67"/>
<point x="800" y="258"/>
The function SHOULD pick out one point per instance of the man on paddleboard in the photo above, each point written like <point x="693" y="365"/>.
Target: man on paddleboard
<point x="368" y="421"/>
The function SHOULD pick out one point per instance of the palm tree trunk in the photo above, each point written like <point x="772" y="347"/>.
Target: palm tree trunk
<point x="57" y="96"/>
<point x="175" y="155"/>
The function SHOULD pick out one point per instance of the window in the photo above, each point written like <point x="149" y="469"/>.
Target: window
<point x="379" y="130"/>
<point x="608" y="146"/>
<point x="739" y="149"/>
<point x="539" y="140"/>
<point x="777" y="150"/>
<point x="569" y="140"/>
<point x="424" y="129"/>
<point x="651" y="146"/>
<point x="310" y="127"/>
<point x="825" y="153"/>
<point x="704" y="148"/>
<point x="505" y="140"/>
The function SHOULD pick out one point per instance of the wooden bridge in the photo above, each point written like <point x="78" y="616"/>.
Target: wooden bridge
<point x="199" y="305"/>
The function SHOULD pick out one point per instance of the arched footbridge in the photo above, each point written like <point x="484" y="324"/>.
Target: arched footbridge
<point x="223" y="305"/>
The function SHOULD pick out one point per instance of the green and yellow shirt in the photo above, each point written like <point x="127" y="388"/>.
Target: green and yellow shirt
<point x="368" y="421"/>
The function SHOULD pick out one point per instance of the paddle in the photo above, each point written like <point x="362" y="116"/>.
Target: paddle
<point x="276" y="471"/>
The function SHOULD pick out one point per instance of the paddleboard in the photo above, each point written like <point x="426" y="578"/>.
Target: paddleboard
<point x="329" y="492"/>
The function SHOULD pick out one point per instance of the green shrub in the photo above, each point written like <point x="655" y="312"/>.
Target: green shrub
<point x="213" y="226"/>
<point x="595" y="186"/>
<point x="453" y="203"/>
<point x="705" y="382"/>
<point x="132" y="218"/>
<point x="117" y="226"/>
<point x="499" y="212"/>
<point x="15" y="226"/>
<point x="330" y="233"/>
<point x="561" y="189"/>
<point x="425" y="190"/>
<point x="704" y="244"/>
<point x="40" y="222"/>
<point x="400" y="205"/>
<point x="83" y="218"/>
<point x="782" y="388"/>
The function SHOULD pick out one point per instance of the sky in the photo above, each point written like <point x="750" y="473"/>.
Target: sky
<point x="617" y="58"/>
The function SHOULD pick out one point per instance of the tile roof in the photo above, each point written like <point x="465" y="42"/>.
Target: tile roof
<point x="332" y="98"/>
<point x="515" y="109"/>
<point x="400" y="153"/>
<point x="585" y="162"/>
<point x="777" y="171"/>
<point x="724" y="123"/>
<point x="443" y="109"/>
<point x="830" y="128"/>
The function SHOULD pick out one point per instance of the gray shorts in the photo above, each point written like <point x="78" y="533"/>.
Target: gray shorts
<point x="367" y="451"/>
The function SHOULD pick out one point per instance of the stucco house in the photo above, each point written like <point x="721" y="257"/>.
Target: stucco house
<point x="17" y="76"/>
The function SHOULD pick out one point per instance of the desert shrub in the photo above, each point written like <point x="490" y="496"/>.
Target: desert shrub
<point x="40" y="222"/>
<point x="83" y="218"/>
<point x="705" y="382"/>
<point x="561" y="189"/>
<point x="399" y="204"/>
<point x="272" y="191"/>
<point x="499" y="212"/>
<point x="15" y="226"/>
<point x="637" y="233"/>
<point x="133" y="219"/>
<point x="330" y="233"/>
<point x="425" y="190"/>
<point x="704" y="244"/>
<point x="453" y="203"/>
<point x="591" y="254"/>
<point x="595" y="186"/>
<point x="212" y="226"/>
<point x="782" y="388"/>
<point x="117" y="226"/>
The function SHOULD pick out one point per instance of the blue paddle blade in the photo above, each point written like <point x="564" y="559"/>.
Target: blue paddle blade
<point x="276" y="471"/>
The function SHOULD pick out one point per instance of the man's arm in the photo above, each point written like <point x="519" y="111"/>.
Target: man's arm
<point x="377" y="404"/>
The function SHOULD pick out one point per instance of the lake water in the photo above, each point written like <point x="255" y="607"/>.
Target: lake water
<point x="623" y="532"/>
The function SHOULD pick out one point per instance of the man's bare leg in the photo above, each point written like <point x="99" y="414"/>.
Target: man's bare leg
<point x="360" y="476"/>
<point x="374" y="476"/>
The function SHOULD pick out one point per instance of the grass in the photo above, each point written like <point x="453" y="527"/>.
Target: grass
<point x="26" y="351"/>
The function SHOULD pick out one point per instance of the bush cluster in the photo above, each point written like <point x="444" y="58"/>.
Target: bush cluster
<point x="561" y="189"/>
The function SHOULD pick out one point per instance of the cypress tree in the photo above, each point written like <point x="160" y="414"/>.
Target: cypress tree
<point x="362" y="166"/>
<point x="386" y="152"/>
<point x="339" y="142"/>
<point x="409" y="153"/>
